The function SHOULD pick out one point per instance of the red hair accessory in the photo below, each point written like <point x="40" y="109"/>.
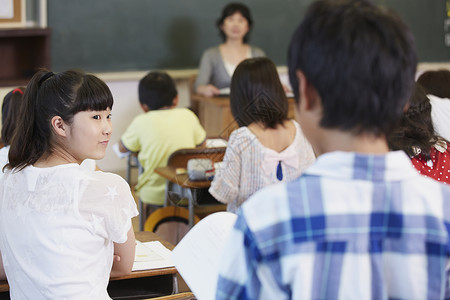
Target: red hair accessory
<point x="17" y="90"/>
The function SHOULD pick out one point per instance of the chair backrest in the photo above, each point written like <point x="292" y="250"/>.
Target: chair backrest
<point x="179" y="158"/>
<point x="171" y="223"/>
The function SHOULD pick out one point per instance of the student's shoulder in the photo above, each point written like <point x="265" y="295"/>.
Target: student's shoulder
<point x="183" y="112"/>
<point x="101" y="178"/>
<point x="243" y="138"/>
<point x="139" y="119"/>
<point x="272" y="202"/>
<point x="242" y="133"/>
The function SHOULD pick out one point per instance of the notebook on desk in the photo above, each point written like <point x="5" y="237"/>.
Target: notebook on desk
<point x="151" y="255"/>
<point x="224" y="92"/>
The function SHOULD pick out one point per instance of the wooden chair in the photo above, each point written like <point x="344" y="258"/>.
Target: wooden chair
<point x="179" y="158"/>
<point x="181" y="184"/>
<point x="171" y="223"/>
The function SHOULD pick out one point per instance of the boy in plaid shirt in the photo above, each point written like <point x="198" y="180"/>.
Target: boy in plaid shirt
<point x="360" y="223"/>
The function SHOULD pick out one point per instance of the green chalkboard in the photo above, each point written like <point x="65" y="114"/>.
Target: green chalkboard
<point x="123" y="35"/>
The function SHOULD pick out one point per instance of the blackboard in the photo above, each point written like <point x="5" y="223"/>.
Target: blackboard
<point x="124" y="35"/>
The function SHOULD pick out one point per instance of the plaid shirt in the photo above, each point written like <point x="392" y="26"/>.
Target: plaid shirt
<point x="352" y="227"/>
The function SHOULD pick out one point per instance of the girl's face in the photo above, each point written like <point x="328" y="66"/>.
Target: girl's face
<point x="235" y="26"/>
<point x="89" y="134"/>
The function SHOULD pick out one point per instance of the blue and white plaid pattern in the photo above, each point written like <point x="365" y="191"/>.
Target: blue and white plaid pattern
<point x="352" y="227"/>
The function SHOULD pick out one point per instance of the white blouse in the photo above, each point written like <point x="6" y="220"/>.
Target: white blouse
<point x="57" y="228"/>
<point x="249" y="166"/>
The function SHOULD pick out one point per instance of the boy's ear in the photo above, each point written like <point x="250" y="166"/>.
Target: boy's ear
<point x="144" y="107"/>
<point x="59" y="126"/>
<point x="175" y="101"/>
<point x="406" y="107"/>
<point x="309" y="97"/>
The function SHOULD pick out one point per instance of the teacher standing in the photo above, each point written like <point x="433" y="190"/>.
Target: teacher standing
<point x="218" y="63"/>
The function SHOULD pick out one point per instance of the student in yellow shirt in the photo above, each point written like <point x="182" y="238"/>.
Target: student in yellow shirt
<point x="158" y="132"/>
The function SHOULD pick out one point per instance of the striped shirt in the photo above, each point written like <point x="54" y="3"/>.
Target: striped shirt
<point x="352" y="226"/>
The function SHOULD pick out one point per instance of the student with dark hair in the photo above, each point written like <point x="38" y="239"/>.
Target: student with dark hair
<point x="10" y="112"/>
<point x="361" y="222"/>
<point x="160" y="131"/>
<point x="430" y="153"/>
<point x="218" y="63"/>
<point x="64" y="230"/>
<point x="267" y="148"/>
<point x="436" y="84"/>
<point x="157" y="90"/>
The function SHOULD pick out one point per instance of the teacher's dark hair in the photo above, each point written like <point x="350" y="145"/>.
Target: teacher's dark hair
<point x="47" y="95"/>
<point x="360" y="58"/>
<point x="256" y="94"/>
<point x="230" y="10"/>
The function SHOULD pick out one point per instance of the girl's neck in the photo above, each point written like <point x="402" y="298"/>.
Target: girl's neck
<point x="278" y="138"/>
<point x="55" y="158"/>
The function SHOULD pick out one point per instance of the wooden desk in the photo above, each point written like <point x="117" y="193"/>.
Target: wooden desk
<point x="185" y="184"/>
<point x="153" y="283"/>
<point x="180" y="296"/>
<point x="215" y="115"/>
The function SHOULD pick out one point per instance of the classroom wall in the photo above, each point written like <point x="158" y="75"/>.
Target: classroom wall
<point x="123" y="86"/>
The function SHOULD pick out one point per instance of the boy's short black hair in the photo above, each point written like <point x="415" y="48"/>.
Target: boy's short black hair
<point x="156" y="90"/>
<point x="256" y="94"/>
<point x="360" y="58"/>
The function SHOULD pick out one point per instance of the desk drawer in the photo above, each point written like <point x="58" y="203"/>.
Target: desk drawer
<point x="141" y="288"/>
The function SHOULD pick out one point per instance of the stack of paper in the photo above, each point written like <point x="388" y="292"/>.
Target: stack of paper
<point x="197" y="256"/>
<point x="151" y="255"/>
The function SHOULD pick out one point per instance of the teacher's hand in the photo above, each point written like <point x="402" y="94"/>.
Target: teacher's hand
<point x="208" y="90"/>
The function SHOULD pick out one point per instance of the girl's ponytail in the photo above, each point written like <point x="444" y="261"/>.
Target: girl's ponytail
<point x="29" y="142"/>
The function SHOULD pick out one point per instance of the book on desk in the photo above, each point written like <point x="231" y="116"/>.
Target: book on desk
<point x="197" y="256"/>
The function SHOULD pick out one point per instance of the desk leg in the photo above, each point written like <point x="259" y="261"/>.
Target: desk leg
<point x="166" y="194"/>
<point x="191" y="208"/>
<point x="141" y="215"/>
<point x="175" y="284"/>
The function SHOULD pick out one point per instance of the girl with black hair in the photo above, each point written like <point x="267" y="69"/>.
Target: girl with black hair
<point x="267" y="148"/>
<point x="64" y="230"/>
<point x="430" y="153"/>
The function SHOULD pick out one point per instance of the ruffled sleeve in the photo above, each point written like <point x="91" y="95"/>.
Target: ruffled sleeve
<point x="225" y="186"/>
<point x="107" y="204"/>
